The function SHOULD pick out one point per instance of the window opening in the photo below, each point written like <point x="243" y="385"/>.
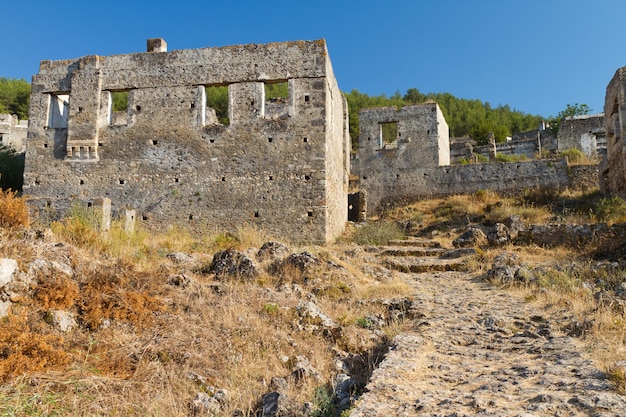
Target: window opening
<point x="118" y="112"/>
<point x="58" y="110"/>
<point x="388" y="133"/>
<point x="217" y="104"/>
<point x="276" y="98"/>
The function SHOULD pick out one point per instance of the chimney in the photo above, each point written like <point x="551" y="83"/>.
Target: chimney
<point x="157" y="45"/>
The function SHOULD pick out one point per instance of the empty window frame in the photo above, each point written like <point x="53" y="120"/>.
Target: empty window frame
<point x="58" y="110"/>
<point x="276" y="98"/>
<point x="216" y="105"/>
<point x="118" y="108"/>
<point x="388" y="133"/>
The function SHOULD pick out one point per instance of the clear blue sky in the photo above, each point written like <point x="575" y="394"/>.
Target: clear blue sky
<point x="535" y="55"/>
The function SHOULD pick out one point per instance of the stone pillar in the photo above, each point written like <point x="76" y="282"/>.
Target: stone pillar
<point x="103" y="206"/>
<point x="129" y="225"/>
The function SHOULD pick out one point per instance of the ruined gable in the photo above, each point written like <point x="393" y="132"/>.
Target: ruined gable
<point x="282" y="167"/>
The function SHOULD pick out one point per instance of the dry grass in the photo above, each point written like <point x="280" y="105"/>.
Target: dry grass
<point x="13" y="210"/>
<point x="144" y="345"/>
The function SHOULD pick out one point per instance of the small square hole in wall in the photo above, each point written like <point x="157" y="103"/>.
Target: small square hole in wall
<point x="364" y="177"/>
<point x="175" y="179"/>
<point x="307" y="177"/>
<point x="82" y="182"/>
<point x="144" y="218"/>
<point x="155" y="142"/>
<point x="80" y="109"/>
<point x="193" y="105"/>
<point x="212" y="140"/>
<point x="138" y="108"/>
<point x="309" y="213"/>
<point x="270" y="140"/>
<point x="45" y="145"/>
<point x="89" y="204"/>
<point x="305" y="140"/>
<point x="307" y="98"/>
<point x="223" y="178"/>
<point x="191" y="217"/>
<point x="397" y="175"/>
<point x="100" y="144"/>
<point x="256" y="214"/>
<point x="122" y="182"/>
<point x="270" y="178"/>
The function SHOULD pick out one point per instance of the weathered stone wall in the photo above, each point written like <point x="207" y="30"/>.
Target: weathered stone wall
<point x="527" y="144"/>
<point x="13" y="132"/>
<point x="388" y="183"/>
<point x="614" y="172"/>
<point x="585" y="132"/>
<point x="422" y="135"/>
<point x="168" y="158"/>
<point x="584" y="177"/>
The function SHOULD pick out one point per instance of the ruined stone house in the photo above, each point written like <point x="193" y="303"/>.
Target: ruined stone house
<point x="404" y="155"/>
<point x="13" y="132"/>
<point x="279" y="165"/>
<point x="613" y="170"/>
<point x="584" y="132"/>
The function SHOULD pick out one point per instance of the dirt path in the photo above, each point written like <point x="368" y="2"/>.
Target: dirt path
<point x="477" y="351"/>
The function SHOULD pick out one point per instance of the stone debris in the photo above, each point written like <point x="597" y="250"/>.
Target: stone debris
<point x="233" y="263"/>
<point x="473" y="236"/>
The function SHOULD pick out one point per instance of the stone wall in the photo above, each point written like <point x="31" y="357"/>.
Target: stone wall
<point x="585" y="132"/>
<point x="420" y="135"/>
<point x="168" y="158"/>
<point x="13" y="132"/>
<point x="387" y="184"/>
<point x="613" y="172"/>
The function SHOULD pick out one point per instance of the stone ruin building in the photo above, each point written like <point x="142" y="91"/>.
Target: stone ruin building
<point x="404" y="155"/>
<point x="584" y="132"/>
<point x="279" y="165"/>
<point x="613" y="169"/>
<point x="13" y="132"/>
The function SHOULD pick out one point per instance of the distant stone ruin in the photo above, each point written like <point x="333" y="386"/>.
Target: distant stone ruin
<point x="13" y="132"/>
<point x="279" y="165"/>
<point x="584" y="132"/>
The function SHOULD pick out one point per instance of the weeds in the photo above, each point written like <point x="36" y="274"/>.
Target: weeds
<point x="377" y="233"/>
<point x="13" y="210"/>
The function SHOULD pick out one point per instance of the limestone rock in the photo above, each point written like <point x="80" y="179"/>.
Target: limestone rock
<point x="181" y="258"/>
<point x="312" y="315"/>
<point x="303" y="369"/>
<point x="275" y="404"/>
<point x="233" y="263"/>
<point x="473" y="236"/>
<point x="204" y="405"/>
<point x="7" y="269"/>
<point x="63" y="320"/>
<point x="498" y="235"/>
<point x="271" y="250"/>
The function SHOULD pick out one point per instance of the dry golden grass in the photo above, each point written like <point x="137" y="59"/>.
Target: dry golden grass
<point x="13" y="210"/>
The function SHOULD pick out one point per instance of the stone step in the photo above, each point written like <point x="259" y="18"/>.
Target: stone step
<point x="411" y="251"/>
<point x="415" y="241"/>
<point x="411" y="264"/>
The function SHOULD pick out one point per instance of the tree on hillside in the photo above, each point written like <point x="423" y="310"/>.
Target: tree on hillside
<point x="14" y="97"/>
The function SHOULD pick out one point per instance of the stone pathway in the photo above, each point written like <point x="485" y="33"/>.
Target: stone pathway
<point x="478" y="351"/>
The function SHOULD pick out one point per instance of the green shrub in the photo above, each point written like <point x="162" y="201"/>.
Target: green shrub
<point x="611" y="210"/>
<point x="510" y="158"/>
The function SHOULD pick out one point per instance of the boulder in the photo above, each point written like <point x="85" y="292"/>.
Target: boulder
<point x="7" y="269"/>
<point x="233" y="263"/>
<point x="271" y="250"/>
<point x="473" y="236"/>
<point x="498" y="235"/>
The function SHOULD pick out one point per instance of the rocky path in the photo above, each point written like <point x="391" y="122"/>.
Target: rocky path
<point x="478" y="351"/>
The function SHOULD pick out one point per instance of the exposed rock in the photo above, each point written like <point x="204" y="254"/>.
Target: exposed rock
<point x="233" y="263"/>
<point x="272" y="250"/>
<point x="4" y="308"/>
<point x="473" y="236"/>
<point x="311" y="314"/>
<point x="498" y="235"/>
<point x="63" y="320"/>
<point x="303" y="369"/>
<point x="504" y="268"/>
<point x="181" y="258"/>
<point x="7" y="269"/>
<point x="204" y="405"/>
<point x="279" y="384"/>
<point x="276" y="404"/>
<point x="47" y="268"/>
<point x="303" y="262"/>
<point x="514" y="225"/>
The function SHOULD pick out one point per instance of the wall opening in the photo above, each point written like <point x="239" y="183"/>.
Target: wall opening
<point x="58" y="110"/>
<point x="118" y="108"/>
<point x="276" y="98"/>
<point x="388" y="133"/>
<point x="216" y="105"/>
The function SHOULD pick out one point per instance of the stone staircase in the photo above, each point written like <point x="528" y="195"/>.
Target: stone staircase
<point x="416" y="255"/>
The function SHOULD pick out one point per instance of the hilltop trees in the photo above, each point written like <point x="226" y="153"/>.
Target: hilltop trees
<point x="14" y="97"/>
<point x="464" y="117"/>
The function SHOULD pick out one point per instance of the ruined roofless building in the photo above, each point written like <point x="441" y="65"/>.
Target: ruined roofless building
<point x="613" y="173"/>
<point x="282" y="166"/>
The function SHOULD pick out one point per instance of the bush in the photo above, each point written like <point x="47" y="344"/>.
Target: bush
<point x="611" y="210"/>
<point x="575" y="156"/>
<point x="13" y="210"/>
<point x="510" y="158"/>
